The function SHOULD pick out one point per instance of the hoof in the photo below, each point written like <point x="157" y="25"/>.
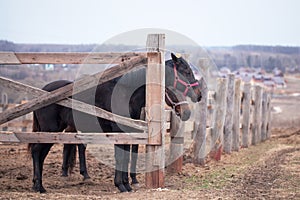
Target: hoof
<point x="64" y="173"/>
<point x="135" y="185"/>
<point x="122" y="188"/>
<point x="87" y="181"/>
<point x="42" y="190"/>
<point x="134" y="181"/>
<point x="127" y="186"/>
<point x="39" y="189"/>
<point x="86" y="178"/>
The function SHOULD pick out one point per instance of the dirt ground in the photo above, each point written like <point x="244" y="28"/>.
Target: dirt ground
<point x="269" y="170"/>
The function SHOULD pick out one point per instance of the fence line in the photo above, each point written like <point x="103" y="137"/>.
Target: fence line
<point x="239" y="118"/>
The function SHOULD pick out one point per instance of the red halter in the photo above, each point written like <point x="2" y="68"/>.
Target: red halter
<point x="187" y="85"/>
<point x="173" y="104"/>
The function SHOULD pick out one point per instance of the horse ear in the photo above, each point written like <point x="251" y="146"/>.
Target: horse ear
<point x="174" y="58"/>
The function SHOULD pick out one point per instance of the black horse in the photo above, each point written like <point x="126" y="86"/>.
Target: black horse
<point x="54" y="118"/>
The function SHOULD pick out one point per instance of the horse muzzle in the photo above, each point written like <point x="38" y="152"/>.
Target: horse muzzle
<point x="184" y="114"/>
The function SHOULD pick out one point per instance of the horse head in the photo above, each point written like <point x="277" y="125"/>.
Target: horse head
<point x="178" y="103"/>
<point x="180" y="75"/>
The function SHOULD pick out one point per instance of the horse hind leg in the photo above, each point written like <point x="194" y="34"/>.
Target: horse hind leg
<point x="69" y="151"/>
<point x="39" y="153"/>
<point x="125" y="168"/>
<point x="37" y="179"/>
<point x="43" y="155"/>
<point x="134" y="157"/>
<point x="119" y="156"/>
<point x="82" y="161"/>
<point x="69" y="155"/>
<point x="65" y="163"/>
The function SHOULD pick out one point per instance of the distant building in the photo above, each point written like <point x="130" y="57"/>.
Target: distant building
<point x="269" y="83"/>
<point x="258" y="76"/>
<point x="279" y="81"/>
<point x="277" y="72"/>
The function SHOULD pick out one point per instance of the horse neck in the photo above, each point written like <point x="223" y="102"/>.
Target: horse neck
<point x="169" y="73"/>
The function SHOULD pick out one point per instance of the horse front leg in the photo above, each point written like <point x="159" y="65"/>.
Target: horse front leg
<point x="119" y="156"/>
<point x="82" y="161"/>
<point x="134" y="157"/>
<point x="125" y="168"/>
<point x="37" y="182"/>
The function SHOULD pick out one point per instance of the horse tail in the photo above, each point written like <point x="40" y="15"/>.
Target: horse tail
<point x="72" y="158"/>
<point x="35" y="128"/>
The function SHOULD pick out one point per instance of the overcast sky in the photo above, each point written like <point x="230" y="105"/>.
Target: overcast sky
<point x="207" y="22"/>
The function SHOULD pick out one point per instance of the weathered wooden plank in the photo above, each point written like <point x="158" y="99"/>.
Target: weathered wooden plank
<point x="155" y="94"/>
<point x="74" y="104"/>
<point x="66" y="57"/>
<point x="73" y="138"/>
<point x="176" y="146"/>
<point x="199" y="135"/>
<point x="256" y="121"/>
<point x="218" y="119"/>
<point x="71" y="89"/>
<point x="228" y="126"/>
<point x="246" y="103"/>
<point x="8" y="58"/>
<point x="236" y="116"/>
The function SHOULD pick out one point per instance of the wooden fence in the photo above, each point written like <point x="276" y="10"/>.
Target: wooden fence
<point x="250" y="105"/>
<point x="239" y="116"/>
<point x="230" y="97"/>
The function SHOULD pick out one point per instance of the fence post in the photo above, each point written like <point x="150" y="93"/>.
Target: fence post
<point x="269" y="116"/>
<point x="155" y="111"/>
<point x="199" y="135"/>
<point x="246" y="101"/>
<point x="218" y="119"/>
<point x="4" y="97"/>
<point x="229" y="114"/>
<point x="264" y="116"/>
<point x="236" y="116"/>
<point x="3" y="108"/>
<point x="256" y="121"/>
<point x="176" y="144"/>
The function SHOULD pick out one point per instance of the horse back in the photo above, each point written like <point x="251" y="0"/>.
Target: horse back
<point x="56" y="85"/>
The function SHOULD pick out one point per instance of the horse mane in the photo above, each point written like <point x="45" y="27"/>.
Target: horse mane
<point x="133" y="78"/>
<point x="137" y="77"/>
